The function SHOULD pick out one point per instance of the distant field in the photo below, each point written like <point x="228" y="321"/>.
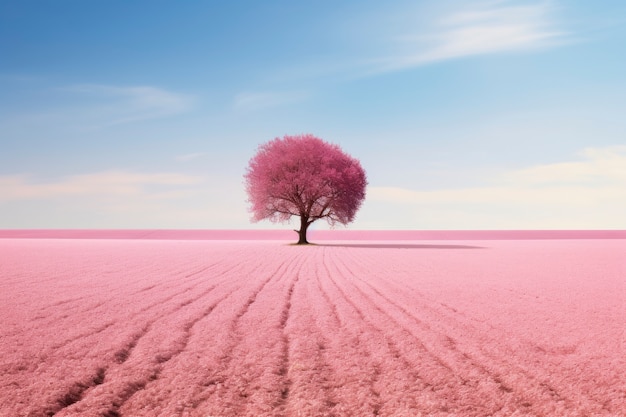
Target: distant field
<point x="149" y="327"/>
<point x="338" y="234"/>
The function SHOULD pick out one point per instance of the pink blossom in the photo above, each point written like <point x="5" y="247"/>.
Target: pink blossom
<point x="306" y="177"/>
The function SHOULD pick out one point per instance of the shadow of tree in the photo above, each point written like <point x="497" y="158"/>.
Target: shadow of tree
<point x="398" y="246"/>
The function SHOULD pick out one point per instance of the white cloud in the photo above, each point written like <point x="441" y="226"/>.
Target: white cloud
<point x="96" y="185"/>
<point x="190" y="156"/>
<point x="123" y="199"/>
<point x="80" y="108"/>
<point x="600" y="167"/>
<point x="487" y="28"/>
<point x="128" y="104"/>
<point x="588" y="193"/>
<point x="388" y="38"/>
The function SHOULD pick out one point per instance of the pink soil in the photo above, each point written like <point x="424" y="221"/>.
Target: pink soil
<point x="210" y="328"/>
<point x="314" y="235"/>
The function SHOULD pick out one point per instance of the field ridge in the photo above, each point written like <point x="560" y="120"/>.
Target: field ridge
<point x="149" y="327"/>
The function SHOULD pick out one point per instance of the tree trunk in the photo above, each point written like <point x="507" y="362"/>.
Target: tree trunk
<point x="304" y="225"/>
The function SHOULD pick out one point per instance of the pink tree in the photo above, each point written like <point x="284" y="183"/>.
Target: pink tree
<point x="304" y="176"/>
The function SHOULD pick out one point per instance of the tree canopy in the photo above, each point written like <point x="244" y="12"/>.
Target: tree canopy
<point x="304" y="176"/>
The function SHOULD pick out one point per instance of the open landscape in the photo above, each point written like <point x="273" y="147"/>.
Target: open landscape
<point x="217" y="328"/>
<point x="313" y="209"/>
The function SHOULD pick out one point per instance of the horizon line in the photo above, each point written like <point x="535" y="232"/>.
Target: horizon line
<point x="288" y="234"/>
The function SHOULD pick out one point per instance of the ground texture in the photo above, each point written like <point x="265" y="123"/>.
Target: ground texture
<point x="217" y="328"/>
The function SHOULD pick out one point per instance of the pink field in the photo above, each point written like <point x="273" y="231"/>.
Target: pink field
<point x="337" y="234"/>
<point x="131" y="327"/>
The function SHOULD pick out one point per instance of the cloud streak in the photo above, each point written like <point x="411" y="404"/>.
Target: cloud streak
<point x="588" y="193"/>
<point x="122" y="199"/>
<point x="129" y="104"/>
<point x="119" y="184"/>
<point x="190" y="156"/>
<point x="82" y="108"/>
<point x="385" y="41"/>
<point x="483" y="29"/>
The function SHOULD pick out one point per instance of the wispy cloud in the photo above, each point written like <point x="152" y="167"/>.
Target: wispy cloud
<point x="486" y="28"/>
<point x="407" y="36"/>
<point x="190" y="156"/>
<point x="590" y="192"/>
<point x="122" y="199"/>
<point x="267" y="99"/>
<point x="599" y="167"/>
<point x="85" y="107"/>
<point x="129" y="104"/>
<point x="96" y="185"/>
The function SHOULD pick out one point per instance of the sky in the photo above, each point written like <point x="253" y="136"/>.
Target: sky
<point x="464" y="114"/>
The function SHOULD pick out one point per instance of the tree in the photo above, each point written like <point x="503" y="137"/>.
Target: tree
<point x="304" y="176"/>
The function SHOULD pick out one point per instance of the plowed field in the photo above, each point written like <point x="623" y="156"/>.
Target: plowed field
<point x="261" y="328"/>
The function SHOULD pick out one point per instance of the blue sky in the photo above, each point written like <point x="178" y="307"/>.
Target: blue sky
<point x="465" y="114"/>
